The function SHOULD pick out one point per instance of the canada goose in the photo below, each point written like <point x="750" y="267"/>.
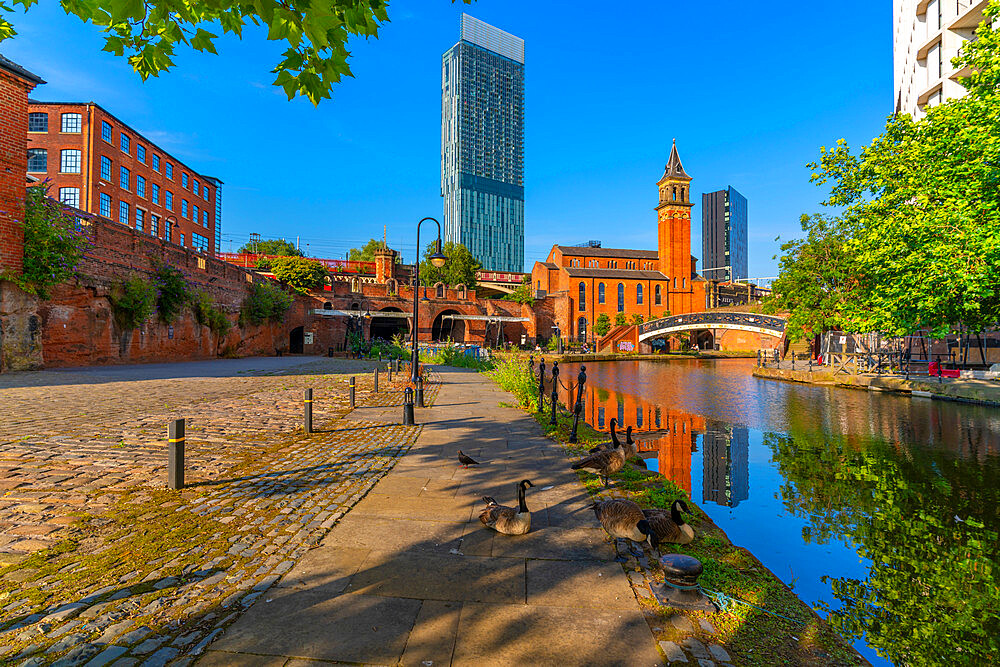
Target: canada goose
<point x="630" y="448"/>
<point x="466" y="461"/>
<point x="604" y="463"/>
<point x="669" y="527"/>
<point x="508" y="520"/>
<point x="623" y="519"/>
<point x="615" y="443"/>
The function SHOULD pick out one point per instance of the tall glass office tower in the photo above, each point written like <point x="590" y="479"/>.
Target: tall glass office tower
<point x="482" y="144"/>
<point x="724" y="235"/>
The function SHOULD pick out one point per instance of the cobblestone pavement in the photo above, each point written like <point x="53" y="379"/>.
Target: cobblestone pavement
<point x="149" y="575"/>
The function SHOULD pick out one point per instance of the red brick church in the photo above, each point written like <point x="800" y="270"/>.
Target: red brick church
<point x="582" y="283"/>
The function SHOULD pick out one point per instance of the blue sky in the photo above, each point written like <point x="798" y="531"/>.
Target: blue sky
<point x="750" y="91"/>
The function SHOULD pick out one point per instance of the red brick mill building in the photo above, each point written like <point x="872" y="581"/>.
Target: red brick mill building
<point x="582" y="283"/>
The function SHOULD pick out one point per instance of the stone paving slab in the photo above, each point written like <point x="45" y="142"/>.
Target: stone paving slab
<point x="475" y="597"/>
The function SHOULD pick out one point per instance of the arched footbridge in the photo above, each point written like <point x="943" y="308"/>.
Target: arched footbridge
<point x="770" y="325"/>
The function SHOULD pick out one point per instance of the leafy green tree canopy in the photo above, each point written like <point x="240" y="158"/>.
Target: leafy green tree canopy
<point x="366" y="253"/>
<point x="603" y="324"/>
<point x="921" y="208"/>
<point x="149" y="33"/>
<point x="815" y="278"/>
<point x="522" y="293"/>
<point x="300" y="273"/>
<point x="278" y="247"/>
<point x="459" y="270"/>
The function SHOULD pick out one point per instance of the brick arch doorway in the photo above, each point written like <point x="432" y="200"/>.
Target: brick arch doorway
<point x="296" y="340"/>
<point x="387" y="327"/>
<point x="448" y="329"/>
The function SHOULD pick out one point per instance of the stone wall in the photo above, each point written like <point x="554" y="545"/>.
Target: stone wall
<point x="20" y="329"/>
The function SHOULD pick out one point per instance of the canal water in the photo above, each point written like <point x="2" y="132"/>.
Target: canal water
<point x="879" y="510"/>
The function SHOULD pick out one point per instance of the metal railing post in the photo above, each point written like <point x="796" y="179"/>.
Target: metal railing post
<point x="541" y="385"/>
<point x="581" y="380"/>
<point x="555" y="386"/>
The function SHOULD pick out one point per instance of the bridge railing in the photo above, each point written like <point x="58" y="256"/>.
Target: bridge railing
<point x="708" y="320"/>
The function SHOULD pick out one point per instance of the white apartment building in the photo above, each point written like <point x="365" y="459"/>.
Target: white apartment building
<point x="927" y="34"/>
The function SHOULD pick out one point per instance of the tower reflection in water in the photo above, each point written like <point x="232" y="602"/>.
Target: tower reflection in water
<point x="667" y="439"/>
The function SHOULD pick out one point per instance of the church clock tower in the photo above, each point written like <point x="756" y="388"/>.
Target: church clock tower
<point x="674" y="247"/>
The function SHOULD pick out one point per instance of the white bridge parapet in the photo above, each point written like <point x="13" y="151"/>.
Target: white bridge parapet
<point x="770" y="325"/>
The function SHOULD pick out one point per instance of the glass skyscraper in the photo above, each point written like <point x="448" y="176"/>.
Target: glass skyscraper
<point x="724" y="235"/>
<point x="482" y="144"/>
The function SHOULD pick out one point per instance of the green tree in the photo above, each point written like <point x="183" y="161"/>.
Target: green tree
<point x="315" y="34"/>
<point x="277" y="247"/>
<point x="815" y="279"/>
<point x="621" y="319"/>
<point x="460" y="269"/>
<point x="264" y="303"/>
<point x="603" y="325"/>
<point x="366" y="253"/>
<point x="637" y="319"/>
<point x="52" y="244"/>
<point x="300" y="273"/>
<point x="522" y="293"/>
<point x="922" y="207"/>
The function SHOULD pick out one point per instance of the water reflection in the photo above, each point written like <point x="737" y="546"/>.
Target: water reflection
<point x="881" y="510"/>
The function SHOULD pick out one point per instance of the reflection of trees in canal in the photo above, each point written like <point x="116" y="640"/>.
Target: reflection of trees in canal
<point x="926" y="520"/>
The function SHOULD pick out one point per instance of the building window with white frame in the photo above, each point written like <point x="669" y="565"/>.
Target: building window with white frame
<point x="72" y="123"/>
<point x="70" y="196"/>
<point x="38" y="122"/>
<point x="69" y="161"/>
<point x="199" y="242"/>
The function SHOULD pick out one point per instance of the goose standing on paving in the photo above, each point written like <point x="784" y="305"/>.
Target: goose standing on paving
<point x="615" y="443"/>
<point x="508" y="520"/>
<point x="623" y="519"/>
<point x="466" y="461"/>
<point x="669" y="526"/>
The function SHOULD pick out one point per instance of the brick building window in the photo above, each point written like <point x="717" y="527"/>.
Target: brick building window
<point x="583" y="296"/>
<point x="69" y="161"/>
<point x="675" y="282"/>
<point x="38" y="160"/>
<point x="613" y="264"/>
<point x="184" y="183"/>
<point x="140" y="219"/>
<point x="104" y="206"/>
<point x="621" y="297"/>
<point x="194" y="185"/>
<point x="126" y="143"/>
<point x="684" y="283"/>
<point x="658" y="296"/>
<point x="182" y="239"/>
<point x="72" y="123"/>
<point x="184" y="208"/>
<point x="199" y="242"/>
<point x="194" y="213"/>
<point x="156" y="162"/>
<point x="168" y="199"/>
<point x="168" y="170"/>
<point x="123" y="213"/>
<point x="106" y="131"/>
<point x="140" y="186"/>
<point x="140" y="153"/>
<point x="105" y="168"/>
<point x="638" y="294"/>
<point x="204" y="218"/>
<point x="581" y="329"/>
<point x="155" y="194"/>
<point x="205" y="194"/>
<point x="600" y="292"/>
<point x="124" y="178"/>
<point x="38" y="122"/>
<point x="154" y="225"/>
<point x="70" y="196"/>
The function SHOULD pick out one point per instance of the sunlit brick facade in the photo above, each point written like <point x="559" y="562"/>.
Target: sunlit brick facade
<point x="97" y="163"/>
<point x="586" y="282"/>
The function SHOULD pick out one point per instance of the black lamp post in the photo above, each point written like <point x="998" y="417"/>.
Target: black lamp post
<point x="437" y="259"/>
<point x="166" y="223"/>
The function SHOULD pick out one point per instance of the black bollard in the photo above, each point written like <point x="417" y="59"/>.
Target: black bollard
<point x="680" y="588"/>
<point x="375" y="387"/>
<point x="309" y="411"/>
<point x="541" y="386"/>
<point x="408" y="407"/>
<point x="581" y="381"/>
<point x="350" y="391"/>
<point x="555" y="385"/>
<point x="388" y="371"/>
<point x="175" y="454"/>
<point x="420" y="392"/>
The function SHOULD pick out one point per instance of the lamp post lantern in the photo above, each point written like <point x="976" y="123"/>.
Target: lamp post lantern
<point x="437" y="259"/>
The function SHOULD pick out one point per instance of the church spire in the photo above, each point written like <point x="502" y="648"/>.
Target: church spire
<point x="674" y="168"/>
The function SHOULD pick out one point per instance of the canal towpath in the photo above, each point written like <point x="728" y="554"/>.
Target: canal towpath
<point x="409" y="576"/>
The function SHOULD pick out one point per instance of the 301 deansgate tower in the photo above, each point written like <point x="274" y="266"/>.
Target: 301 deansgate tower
<point x="482" y="144"/>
